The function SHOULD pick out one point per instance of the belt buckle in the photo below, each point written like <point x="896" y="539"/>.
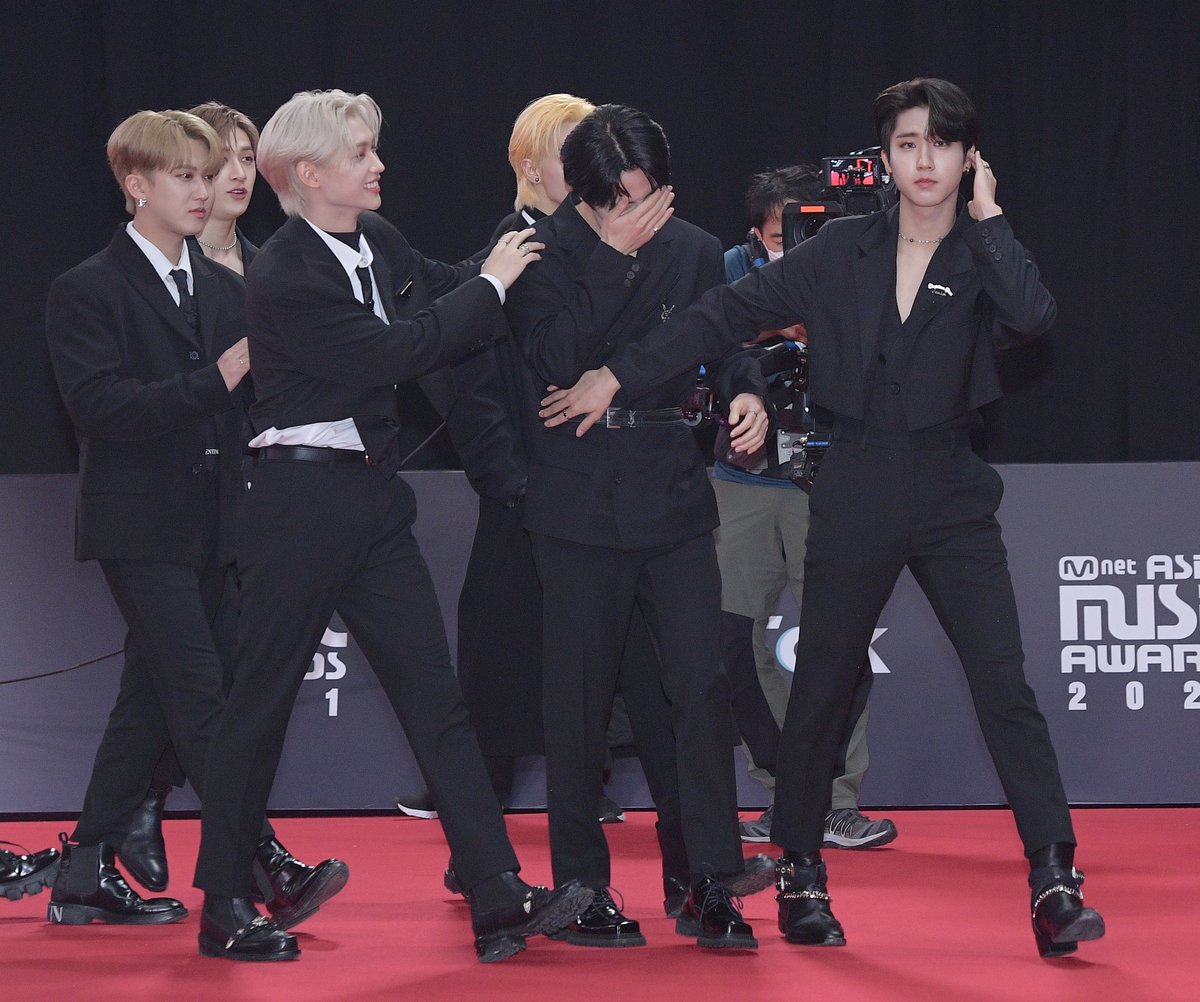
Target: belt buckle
<point x="619" y="417"/>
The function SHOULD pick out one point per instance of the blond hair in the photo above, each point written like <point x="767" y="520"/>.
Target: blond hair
<point x="313" y="125"/>
<point x="534" y="134"/>
<point x="160" y="140"/>
<point x="226" y="121"/>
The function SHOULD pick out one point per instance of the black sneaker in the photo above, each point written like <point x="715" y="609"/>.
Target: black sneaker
<point x="758" y="830"/>
<point x="611" y="812"/>
<point x="417" y="805"/>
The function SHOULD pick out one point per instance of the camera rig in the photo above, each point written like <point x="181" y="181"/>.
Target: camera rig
<point x="854" y="185"/>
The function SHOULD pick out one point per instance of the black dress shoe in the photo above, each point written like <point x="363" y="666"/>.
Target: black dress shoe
<point x="28" y="873"/>
<point x="233" y="928"/>
<point x="90" y="888"/>
<point x="1060" y="921"/>
<point x="143" y="852"/>
<point x="805" y="916"/>
<point x="291" y="890"/>
<point x="712" y="916"/>
<point x="602" y="924"/>
<point x="500" y="931"/>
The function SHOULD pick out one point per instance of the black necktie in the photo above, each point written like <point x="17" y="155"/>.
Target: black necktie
<point x="186" y="303"/>
<point x="364" y="279"/>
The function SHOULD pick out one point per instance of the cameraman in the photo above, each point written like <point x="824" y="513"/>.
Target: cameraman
<point x="760" y="542"/>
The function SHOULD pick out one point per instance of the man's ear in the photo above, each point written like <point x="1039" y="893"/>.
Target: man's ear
<point x="137" y="186"/>
<point x="884" y="157"/>
<point x="308" y="173"/>
<point x="531" y="173"/>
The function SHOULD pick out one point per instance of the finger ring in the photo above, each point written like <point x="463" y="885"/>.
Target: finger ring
<point x="654" y="229"/>
<point x="563" y="412"/>
<point x="242" y="361"/>
<point x="524" y="248"/>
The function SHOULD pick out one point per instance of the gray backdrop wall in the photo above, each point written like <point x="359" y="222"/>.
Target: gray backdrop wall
<point x="1104" y="559"/>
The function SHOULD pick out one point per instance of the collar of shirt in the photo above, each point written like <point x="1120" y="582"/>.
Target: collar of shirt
<point x="160" y="264"/>
<point x="350" y="259"/>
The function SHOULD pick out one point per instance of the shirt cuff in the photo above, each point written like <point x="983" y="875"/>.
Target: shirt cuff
<point x="496" y="284"/>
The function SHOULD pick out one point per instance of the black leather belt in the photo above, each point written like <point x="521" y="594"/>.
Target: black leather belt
<point x="313" y="454"/>
<point x="619" y="417"/>
<point x="926" y="439"/>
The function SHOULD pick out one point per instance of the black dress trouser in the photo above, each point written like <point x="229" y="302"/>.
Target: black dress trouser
<point x="927" y="502"/>
<point x="315" y="538"/>
<point x="678" y="704"/>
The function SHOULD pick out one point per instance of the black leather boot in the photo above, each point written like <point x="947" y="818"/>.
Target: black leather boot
<point x="291" y="890"/>
<point x="143" y="852"/>
<point x="27" y="873"/>
<point x="805" y="915"/>
<point x="676" y="879"/>
<point x="1060" y="921"/>
<point x="713" y="917"/>
<point x="505" y="909"/>
<point x="450" y="879"/>
<point x="233" y="928"/>
<point x="90" y="888"/>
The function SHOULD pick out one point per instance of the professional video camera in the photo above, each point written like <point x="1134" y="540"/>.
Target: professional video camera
<point x="854" y="185"/>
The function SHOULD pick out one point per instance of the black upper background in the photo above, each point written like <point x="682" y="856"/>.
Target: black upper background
<point x="1089" y="116"/>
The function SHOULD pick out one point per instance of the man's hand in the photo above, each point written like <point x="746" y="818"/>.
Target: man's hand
<point x="512" y="253"/>
<point x="983" y="202"/>
<point x="234" y="363"/>
<point x="588" y="399"/>
<point x="747" y="423"/>
<point x="625" y="228"/>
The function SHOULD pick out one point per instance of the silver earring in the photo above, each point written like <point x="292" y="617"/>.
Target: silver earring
<point x="141" y="203"/>
<point x="537" y="178"/>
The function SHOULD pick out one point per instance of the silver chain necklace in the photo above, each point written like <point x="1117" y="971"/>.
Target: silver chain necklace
<point x="911" y="240"/>
<point x="213" y="247"/>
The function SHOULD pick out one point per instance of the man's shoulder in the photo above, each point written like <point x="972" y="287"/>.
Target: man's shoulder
<point x="686" y="232"/>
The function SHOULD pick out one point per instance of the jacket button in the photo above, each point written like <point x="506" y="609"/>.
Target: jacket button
<point x="627" y="283"/>
<point x="194" y="356"/>
<point x="637" y="267"/>
<point x="894" y="387"/>
<point x="630" y="274"/>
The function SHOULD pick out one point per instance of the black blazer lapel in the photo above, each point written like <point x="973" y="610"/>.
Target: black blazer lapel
<point x="948" y="274"/>
<point x="874" y="279"/>
<point x="208" y="296"/>
<point x="144" y="280"/>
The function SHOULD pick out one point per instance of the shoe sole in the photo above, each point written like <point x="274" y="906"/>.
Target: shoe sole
<point x="330" y="878"/>
<point x="604" y="942"/>
<point x="833" y="841"/>
<point x="70" y="914"/>
<point x="416" y="812"/>
<point x="827" y="941"/>
<point x="15" y="889"/>
<point x="1088" y="926"/>
<point x="746" y="836"/>
<point x="753" y="878"/>
<point x="211" y="948"/>
<point x="691" y="928"/>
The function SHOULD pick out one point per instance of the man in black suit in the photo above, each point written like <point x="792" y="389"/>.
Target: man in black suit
<point x="905" y="312"/>
<point x="340" y="308"/>
<point x="625" y="515"/>
<point x="147" y="344"/>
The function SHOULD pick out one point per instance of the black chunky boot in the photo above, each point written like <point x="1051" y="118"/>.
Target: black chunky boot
<point x="27" y="873"/>
<point x="505" y="909"/>
<point x="1060" y="921"/>
<point x="90" y="888"/>
<point x="143" y="852"/>
<point x="805" y="915"/>
<point x="292" y="890"/>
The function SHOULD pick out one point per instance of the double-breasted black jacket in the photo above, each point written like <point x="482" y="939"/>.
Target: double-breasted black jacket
<point x="142" y="391"/>
<point x="625" y="488"/>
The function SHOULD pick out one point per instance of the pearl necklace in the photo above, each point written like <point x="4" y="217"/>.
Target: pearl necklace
<point x="222" y="250"/>
<point x="911" y="240"/>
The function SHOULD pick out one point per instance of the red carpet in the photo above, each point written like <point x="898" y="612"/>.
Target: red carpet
<point x="942" y="913"/>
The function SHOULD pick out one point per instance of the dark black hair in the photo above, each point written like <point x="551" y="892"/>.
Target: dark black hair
<point x="769" y="190"/>
<point x="952" y="115"/>
<point x="611" y="140"/>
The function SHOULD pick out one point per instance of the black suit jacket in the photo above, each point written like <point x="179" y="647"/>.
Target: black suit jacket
<point x="572" y="311"/>
<point x="981" y="292"/>
<point x="142" y="391"/>
<point x="321" y="355"/>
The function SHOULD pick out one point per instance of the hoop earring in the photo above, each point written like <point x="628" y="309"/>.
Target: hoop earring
<point x="141" y="203"/>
